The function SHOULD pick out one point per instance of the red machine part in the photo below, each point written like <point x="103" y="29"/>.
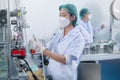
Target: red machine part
<point x="18" y="52"/>
<point x="33" y="51"/>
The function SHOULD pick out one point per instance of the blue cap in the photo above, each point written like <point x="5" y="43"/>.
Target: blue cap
<point x="72" y="10"/>
<point x="83" y="12"/>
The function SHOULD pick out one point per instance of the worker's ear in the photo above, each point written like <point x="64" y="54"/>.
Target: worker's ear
<point x="72" y="17"/>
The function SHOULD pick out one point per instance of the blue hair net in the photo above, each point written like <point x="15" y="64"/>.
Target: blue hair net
<point x="83" y="12"/>
<point x="72" y="10"/>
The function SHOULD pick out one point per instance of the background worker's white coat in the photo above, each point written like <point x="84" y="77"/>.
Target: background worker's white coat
<point x="88" y="36"/>
<point x="71" y="44"/>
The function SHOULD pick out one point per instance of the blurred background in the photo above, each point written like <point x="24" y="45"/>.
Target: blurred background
<point x="42" y="17"/>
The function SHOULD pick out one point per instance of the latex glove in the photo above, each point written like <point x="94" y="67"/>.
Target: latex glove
<point x="37" y="45"/>
<point x="41" y="47"/>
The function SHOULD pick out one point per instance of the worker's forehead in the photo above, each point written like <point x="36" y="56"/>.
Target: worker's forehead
<point x="63" y="11"/>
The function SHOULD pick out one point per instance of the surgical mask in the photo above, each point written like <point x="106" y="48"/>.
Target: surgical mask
<point x="64" y="22"/>
<point x="89" y="17"/>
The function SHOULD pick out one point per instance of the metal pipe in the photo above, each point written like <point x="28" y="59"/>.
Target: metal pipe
<point x="9" y="38"/>
<point x="111" y="25"/>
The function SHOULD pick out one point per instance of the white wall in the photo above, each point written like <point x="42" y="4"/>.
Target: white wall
<point x="43" y="15"/>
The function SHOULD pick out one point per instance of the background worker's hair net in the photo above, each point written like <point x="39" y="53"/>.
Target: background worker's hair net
<point x="72" y="10"/>
<point x="83" y="12"/>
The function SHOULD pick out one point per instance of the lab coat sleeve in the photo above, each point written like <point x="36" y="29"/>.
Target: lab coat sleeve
<point x="75" y="50"/>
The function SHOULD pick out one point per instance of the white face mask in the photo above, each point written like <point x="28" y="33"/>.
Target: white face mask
<point x="89" y="17"/>
<point x="64" y="22"/>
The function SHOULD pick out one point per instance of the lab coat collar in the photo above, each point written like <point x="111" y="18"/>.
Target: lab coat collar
<point x="68" y="39"/>
<point x="72" y="34"/>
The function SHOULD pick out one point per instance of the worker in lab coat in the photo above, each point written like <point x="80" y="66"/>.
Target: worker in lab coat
<point x="66" y="46"/>
<point x="85" y="25"/>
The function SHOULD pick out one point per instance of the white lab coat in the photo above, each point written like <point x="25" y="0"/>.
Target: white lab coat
<point x="72" y="44"/>
<point x="83" y="28"/>
<point x="88" y="36"/>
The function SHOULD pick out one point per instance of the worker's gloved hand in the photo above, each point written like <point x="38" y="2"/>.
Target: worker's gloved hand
<point x="41" y="47"/>
<point x="37" y="45"/>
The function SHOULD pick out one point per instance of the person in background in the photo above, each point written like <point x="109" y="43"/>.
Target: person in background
<point x="85" y="25"/>
<point x="65" y="48"/>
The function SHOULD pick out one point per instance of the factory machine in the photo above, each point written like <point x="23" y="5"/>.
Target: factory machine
<point x="15" y="58"/>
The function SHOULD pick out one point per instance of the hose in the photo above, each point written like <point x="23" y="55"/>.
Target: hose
<point x="34" y="76"/>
